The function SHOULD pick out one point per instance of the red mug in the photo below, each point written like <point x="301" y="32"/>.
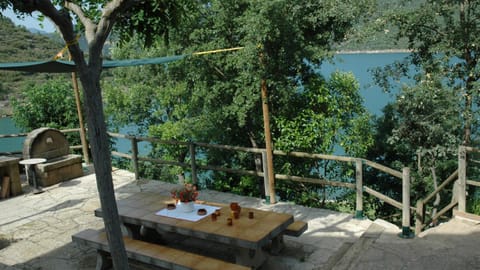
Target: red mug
<point x="234" y="206"/>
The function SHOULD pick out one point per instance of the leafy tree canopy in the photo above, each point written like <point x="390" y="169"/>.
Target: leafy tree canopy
<point x="431" y="117"/>
<point x="216" y="97"/>
<point x="444" y="39"/>
<point x="51" y="104"/>
<point x="97" y="19"/>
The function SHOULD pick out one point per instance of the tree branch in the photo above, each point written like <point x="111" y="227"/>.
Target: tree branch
<point x="89" y="25"/>
<point x="108" y="18"/>
<point x="62" y="20"/>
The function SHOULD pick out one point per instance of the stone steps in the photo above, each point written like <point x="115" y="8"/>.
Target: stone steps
<point x="347" y="255"/>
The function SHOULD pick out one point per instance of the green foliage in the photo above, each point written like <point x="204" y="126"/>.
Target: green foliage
<point x="331" y="114"/>
<point x="216" y="98"/>
<point x="473" y="203"/>
<point x="420" y="130"/>
<point x="51" y="104"/>
<point x="436" y="110"/>
<point x="444" y="39"/>
<point x="149" y="20"/>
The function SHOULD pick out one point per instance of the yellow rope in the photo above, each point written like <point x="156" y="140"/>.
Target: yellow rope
<point x="62" y="51"/>
<point x="219" y="50"/>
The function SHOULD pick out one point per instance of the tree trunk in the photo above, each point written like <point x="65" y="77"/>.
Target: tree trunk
<point x="97" y="133"/>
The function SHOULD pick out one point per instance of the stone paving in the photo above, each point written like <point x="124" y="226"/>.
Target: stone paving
<point x="40" y="226"/>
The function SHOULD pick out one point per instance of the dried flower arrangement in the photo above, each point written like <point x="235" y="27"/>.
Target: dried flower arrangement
<point x="187" y="193"/>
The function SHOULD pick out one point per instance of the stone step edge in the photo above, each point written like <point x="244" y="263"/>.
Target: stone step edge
<point x="349" y="252"/>
<point x="466" y="216"/>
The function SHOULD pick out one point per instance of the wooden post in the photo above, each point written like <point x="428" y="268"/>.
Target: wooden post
<point x="406" y="232"/>
<point x="359" y="188"/>
<point x="462" y="179"/>
<point x="5" y="187"/>
<point x="83" y="136"/>
<point x="134" y="142"/>
<point x="265" y="177"/>
<point x="193" y="163"/>
<point x="268" y="142"/>
<point x="419" y="217"/>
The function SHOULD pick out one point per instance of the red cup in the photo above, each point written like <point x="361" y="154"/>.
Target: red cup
<point x="233" y="206"/>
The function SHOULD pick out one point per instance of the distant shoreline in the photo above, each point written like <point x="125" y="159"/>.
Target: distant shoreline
<point x="374" y="51"/>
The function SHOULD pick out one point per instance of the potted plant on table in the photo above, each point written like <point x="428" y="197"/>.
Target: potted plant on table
<point x="185" y="197"/>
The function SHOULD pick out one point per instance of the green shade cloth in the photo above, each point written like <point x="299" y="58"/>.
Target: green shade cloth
<point x="61" y="66"/>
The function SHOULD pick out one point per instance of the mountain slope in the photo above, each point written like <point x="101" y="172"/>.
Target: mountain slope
<point x="20" y="45"/>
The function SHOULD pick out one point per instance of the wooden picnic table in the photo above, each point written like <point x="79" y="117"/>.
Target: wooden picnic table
<point x="247" y="236"/>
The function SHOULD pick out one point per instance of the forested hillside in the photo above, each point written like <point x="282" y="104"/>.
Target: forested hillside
<point x="374" y="34"/>
<point x="19" y="45"/>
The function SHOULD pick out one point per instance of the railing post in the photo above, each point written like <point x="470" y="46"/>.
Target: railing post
<point x="265" y="177"/>
<point x="135" y="156"/>
<point x="193" y="163"/>
<point x="406" y="232"/>
<point x="462" y="179"/>
<point x="359" y="188"/>
<point x="419" y="217"/>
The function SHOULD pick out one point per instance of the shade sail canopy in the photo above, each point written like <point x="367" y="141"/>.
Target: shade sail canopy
<point x="60" y="66"/>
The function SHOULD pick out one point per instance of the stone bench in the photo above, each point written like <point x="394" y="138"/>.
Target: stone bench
<point x="297" y="228"/>
<point x="59" y="169"/>
<point x="150" y="253"/>
<point x="52" y="145"/>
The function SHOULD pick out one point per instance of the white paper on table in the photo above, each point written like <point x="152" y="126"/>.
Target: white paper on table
<point x="190" y="216"/>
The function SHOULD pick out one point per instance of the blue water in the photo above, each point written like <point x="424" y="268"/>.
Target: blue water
<point x="359" y="64"/>
<point x="7" y="126"/>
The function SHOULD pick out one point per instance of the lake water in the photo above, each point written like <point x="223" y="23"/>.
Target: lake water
<point x="359" y="64"/>
<point x="7" y="126"/>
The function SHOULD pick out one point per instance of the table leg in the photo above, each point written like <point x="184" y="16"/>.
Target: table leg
<point x="277" y="244"/>
<point x="132" y="231"/>
<point x="103" y="260"/>
<point x="250" y="257"/>
<point x="36" y="188"/>
<point x="28" y="171"/>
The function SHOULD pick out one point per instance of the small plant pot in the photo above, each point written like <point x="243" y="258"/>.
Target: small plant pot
<point x="186" y="207"/>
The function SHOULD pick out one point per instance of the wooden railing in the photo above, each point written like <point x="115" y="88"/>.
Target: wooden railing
<point x="404" y="205"/>
<point x="357" y="185"/>
<point x="458" y="193"/>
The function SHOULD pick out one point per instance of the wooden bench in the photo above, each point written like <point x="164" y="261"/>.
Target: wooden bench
<point x="296" y="228"/>
<point x="150" y="253"/>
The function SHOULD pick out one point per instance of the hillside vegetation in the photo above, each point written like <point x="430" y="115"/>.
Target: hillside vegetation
<point x="20" y="45"/>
